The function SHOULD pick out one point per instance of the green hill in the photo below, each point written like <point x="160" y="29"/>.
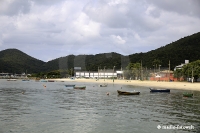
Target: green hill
<point x="15" y="61"/>
<point x="177" y="52"/>
<point x="60" y="63"/>
<point x="86" y="62"/>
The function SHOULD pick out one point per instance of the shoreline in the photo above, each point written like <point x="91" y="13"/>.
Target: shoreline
<point x="149" y="84"/>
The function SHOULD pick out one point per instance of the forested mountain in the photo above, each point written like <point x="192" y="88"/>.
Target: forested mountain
<point x="86" y="62"/>
<point x="187" y="48"/>
<point x="177" y="52"/>
<point x="15" y="61"/>
<point x="60" y="63"/>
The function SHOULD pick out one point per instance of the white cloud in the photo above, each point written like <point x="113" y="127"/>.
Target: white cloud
<point x="85" y="28"/>
<point x="50" y="29"/>
<point x="117" y="39"/>
<point x="14" y="7"/>
<point x="117" y="2"/>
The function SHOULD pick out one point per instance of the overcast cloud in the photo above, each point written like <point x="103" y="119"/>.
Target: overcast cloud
<point x="50" y="29"/>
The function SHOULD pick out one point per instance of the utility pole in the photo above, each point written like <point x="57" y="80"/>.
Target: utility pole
<point x="159" y="69"/>
<point x="104" y="73"/>
<point x="169" y="70"/>
<point x="146" y="74"/>
<point x="113" y="73"/>
<point x="122" y="73"/>
<point x="154" y="72"/>
<point x="192" y="75"/>
<point x="98" y="73"/>
<point x="141" y="71"/>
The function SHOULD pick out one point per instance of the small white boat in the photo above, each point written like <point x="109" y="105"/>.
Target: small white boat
<point x="11" y="79"/>
<point x="104" y="85"/>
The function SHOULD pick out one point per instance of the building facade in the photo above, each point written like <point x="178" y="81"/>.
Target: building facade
<point x="101" y="74"/>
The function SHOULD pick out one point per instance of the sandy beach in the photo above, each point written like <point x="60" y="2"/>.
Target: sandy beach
<point x="153" y="84"/>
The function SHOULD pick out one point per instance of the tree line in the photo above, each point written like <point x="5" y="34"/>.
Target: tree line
<point x="187" y="48"/>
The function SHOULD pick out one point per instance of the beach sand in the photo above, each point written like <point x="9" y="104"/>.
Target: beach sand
<point x="149" y="84"/>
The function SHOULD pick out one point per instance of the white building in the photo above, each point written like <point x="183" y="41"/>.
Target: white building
<point x="180" y="66"/>
<point x="100" y="74"/>
<point x="95" y="74"/>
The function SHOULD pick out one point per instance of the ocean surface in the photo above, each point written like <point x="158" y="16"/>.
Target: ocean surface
<point x="50" y="107"/>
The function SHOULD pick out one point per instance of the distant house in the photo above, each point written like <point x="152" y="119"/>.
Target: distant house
<point x="11" y="75"/>
<point x="167" y="75"/>
<point x="164" y="75"/>
<point x="180" y="66"/>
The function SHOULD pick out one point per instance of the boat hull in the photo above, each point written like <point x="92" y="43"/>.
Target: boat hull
<point x="43" y="81"/>
<point x="187" y="95"/>
<point x="103" y="85"/>
<point x="159" y="90"/>
<point x="128" y="92"/>
<point x="51" y="81"/>
<point x="69" y="85"/>
<point x="25" y="80"/>
<point x="11" y="79"/>
<point x="80" y="87"/>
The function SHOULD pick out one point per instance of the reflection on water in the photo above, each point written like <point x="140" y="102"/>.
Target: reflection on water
<point x="31" y="107"/>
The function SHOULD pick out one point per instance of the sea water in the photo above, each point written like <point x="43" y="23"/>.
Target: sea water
<point x="38" y="107"/>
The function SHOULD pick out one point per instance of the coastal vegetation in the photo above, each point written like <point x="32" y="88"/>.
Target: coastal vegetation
<point x="133" y="70"/>
<point x="187" y="48"/>
<point x="191" y="70"/>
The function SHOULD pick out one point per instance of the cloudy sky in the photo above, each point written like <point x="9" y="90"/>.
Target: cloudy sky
<point x="49" y="29"/>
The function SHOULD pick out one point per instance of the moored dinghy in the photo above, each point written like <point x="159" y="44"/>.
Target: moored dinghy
<point x="50" y="80"/>
<point x="25" y="80"/>
<point x="159" y="90"/>
<point x="128" y="92"/>
<point x="43" y="80"/>
<point x="80" y="87"/>
<point x="103" y="85"/>
<point x="69" y="85"/>
<point x="11" y="79"/>
<point x="187" y="94"/>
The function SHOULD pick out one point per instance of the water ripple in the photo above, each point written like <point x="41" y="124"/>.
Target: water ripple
<point x="55" y="108"/>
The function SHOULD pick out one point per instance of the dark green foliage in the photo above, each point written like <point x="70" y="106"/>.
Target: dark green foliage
<point x="63" y="63"/>
<point x="15" y="61"/>
<point x="178" y="74"/>
<point x="186" y="48"/>
<point x="86" y="62"/>
<point x="133" y="70"/>
<point x="100" y="60"/>
<point x="192" y="70"/>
